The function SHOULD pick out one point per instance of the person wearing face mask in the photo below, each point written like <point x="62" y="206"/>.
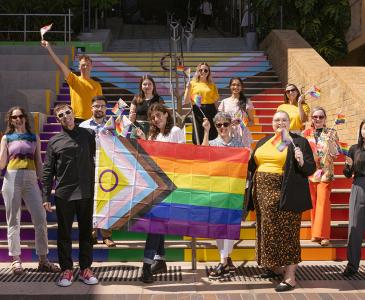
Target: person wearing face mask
<point x="96" y="123"/>
<point x="355" y="168"/>
<point x="82" y="88"/>
<point x="70" y="160"/>
<point x="295" y="106"/>
<point x="240" y="108"/>
<point x="139" y="107"/>
<point x="202" y="86"/>
<point x="20" y="154"/>
<point x="223" y="123"/>
<point x="162" y="129"/>
<point x="279" y="192"/>
<point x="323" y="142"/>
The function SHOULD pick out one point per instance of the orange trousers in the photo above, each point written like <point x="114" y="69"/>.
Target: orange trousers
<point x="321" y="211"/>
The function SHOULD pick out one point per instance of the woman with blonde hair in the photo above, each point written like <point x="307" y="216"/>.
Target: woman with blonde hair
<point x="202" y="89"/>
<point x="323" y="142"/>
<point x="295" y="106"/>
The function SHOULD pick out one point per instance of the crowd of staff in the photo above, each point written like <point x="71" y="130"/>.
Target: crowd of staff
<point x="282" y="183"/>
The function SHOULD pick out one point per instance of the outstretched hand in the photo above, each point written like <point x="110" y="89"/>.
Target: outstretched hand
<point x="298" y="154"/>
<point x="44" y="43"/>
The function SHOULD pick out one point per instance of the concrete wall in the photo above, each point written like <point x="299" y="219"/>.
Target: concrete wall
<point x="342" y="88"/>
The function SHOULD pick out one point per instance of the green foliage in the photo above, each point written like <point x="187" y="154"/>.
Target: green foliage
<point x="322" y="23"/>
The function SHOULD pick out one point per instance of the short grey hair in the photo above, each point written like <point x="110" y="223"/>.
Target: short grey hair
<point x="222" y="115"/>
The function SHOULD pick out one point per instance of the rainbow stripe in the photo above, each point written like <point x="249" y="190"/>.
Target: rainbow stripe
<point x="281" y="139"/>
<point x="180" y="69"/>
<point x="171" y="188"/>
<point x="343" y="148"/>
<point x="340" y="119"/>
<point x="315" y="92"/>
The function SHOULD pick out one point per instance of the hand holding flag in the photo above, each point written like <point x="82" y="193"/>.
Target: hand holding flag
<point x="44" y="29"/>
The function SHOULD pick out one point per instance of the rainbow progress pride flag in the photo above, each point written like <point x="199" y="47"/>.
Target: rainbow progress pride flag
<point x="169" y="188"/>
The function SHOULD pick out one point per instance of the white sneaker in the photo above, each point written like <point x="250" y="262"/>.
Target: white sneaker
<point x="66" y="278"/>
<point x="88" y="277"/>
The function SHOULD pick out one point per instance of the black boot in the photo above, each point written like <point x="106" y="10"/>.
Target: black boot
<point x="147" y="276"/>
<point x="159" y="266"/>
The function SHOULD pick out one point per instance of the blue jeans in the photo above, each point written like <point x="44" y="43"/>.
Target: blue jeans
<point x="154" y="248"/>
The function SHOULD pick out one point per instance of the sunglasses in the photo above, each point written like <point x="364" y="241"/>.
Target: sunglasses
<point x="318" y="117"/>
<point x="21" y="117"/>
<point x="225" y="124"/>
<point x="203" y="71"/>
<point x="64" y="114"/>
<point x="290" y="91"/>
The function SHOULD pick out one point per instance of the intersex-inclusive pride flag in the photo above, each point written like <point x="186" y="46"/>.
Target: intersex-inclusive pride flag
<point x="119" y="107"/>
<point x="282" y="139"/>
<point x="169" y="188"/>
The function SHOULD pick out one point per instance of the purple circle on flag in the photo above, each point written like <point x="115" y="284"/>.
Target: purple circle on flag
<point x="115" y="184"/>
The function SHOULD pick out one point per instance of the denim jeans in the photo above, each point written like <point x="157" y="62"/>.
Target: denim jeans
<point x="154" y="248"/>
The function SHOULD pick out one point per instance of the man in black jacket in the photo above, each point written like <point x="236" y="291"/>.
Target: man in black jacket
<point x="70" y="159"/>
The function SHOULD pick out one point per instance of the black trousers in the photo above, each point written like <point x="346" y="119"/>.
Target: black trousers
<point x="209" y="111"/>
<point x="66" y="211"/>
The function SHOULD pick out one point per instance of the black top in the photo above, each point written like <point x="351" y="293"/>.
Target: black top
<point x="142" y="108"/>
<point x="295" y="195"/>
<point x="358" y="168"/>
<point x="70" y="159"/>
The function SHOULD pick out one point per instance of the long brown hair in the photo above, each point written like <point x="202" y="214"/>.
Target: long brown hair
<point x="360" y="144"/>
<point x="286" y="98"/>
<point x="154" y="130"/>
<point x="10" y="127"/>
<point x="141" y="96"/>
<point x="242" y="101"/>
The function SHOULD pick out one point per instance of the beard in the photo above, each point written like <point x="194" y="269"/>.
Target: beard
<point x="99" y="114"/>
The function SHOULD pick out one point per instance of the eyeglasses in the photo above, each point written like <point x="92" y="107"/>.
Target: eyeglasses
<point x="98" y="106"/>
<point x="318" y="117"/>
<point x="225" y="124"/>
<point x="21" y="117"/>
<point x="290" y="91"/>
<point x="64" y="114"/>
<point x="204" y="70"/>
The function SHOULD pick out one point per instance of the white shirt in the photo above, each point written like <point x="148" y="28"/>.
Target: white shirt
<point x="206" y="8"/>
<point x="176" y="135"/>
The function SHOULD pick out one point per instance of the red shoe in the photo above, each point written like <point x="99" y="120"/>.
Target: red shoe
<point x="88" y="277"/>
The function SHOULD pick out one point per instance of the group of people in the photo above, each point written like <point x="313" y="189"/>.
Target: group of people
<point x="281" y="184"/>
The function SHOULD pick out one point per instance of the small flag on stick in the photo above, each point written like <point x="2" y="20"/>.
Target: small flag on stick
<point x="180" y="69"/>
<point x="122" y="125"/>
<point x="110" y="124"/>
<point x="119" y="107"/>
<point x="343" y="148"/>
<point x="282" y="139"/>
<point x="197" y="100"/>
<point x="340" y="119"/>
<point x="45" y="29"/>
<point x="314" y="91"/>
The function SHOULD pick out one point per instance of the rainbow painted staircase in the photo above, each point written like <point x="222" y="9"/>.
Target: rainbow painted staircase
<point x="119" y="74"/>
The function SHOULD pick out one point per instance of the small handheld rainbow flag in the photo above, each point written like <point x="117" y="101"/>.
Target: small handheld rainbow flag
<point x="243" y="123"/>
<point x="343" y="148"/>
<point x="119" y="107"/>
<point x="180" y="69"/>
<point x="197" y="100"/>
<point x="282" y="139"/>
<point x="122" y="124"/>
<point x="314" y="91"/>
<point x="44" y="29"/>
<point x="340" y="119"/>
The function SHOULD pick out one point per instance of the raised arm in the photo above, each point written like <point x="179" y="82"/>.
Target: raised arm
<point x="187" y="94"/>
<point x="3" y="153"/>
<point x="64" y="69"/>
<point x="206" y="126"/>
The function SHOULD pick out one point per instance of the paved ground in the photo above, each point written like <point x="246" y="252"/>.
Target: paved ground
<point x="316" y="280"/>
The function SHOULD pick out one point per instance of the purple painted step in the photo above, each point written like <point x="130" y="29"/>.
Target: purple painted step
<point x="63" y="98"/>
<point x="45" y="136"/>
<point x="51" y="119"/>
<point x="52" y="127"/>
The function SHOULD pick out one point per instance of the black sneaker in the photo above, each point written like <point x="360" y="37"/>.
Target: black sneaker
<point x="349" y="271"/>
<point x="232" y="267"/>
<point x="159" y="266"/>
<point x="219" y="271"/>
<point x="147" y="276"/>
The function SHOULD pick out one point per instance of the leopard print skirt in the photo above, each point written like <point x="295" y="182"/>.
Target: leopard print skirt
<point x="277" y="231"/>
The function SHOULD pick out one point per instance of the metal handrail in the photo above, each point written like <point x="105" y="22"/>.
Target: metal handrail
<point x="67" y="25"/>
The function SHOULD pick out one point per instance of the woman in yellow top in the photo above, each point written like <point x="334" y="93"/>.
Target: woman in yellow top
<point x="295" y="107"/>
<point x="202" y="85"/>
<point x="279" y="192"/>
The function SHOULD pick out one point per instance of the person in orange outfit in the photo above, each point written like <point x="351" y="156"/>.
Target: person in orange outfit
<point x="324" y="147"/>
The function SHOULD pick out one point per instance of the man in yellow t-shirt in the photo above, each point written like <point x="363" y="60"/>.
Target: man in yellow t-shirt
<point x="82" y="88"/>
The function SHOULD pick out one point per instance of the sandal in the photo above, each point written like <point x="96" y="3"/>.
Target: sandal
<point x="16" y="267"/>
<point x="48" y="267"/>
